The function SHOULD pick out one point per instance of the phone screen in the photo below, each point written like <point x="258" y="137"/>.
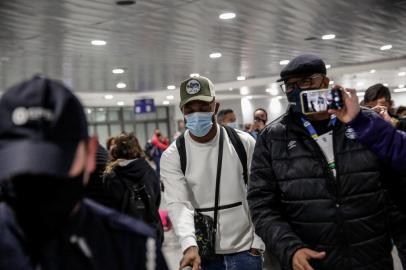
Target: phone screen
<point x="314" y="101"/>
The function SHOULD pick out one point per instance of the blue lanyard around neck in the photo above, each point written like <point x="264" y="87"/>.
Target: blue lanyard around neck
<point x="312" y="131"/>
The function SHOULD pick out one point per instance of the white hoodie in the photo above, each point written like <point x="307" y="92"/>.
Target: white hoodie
<point x="196" y="189"/>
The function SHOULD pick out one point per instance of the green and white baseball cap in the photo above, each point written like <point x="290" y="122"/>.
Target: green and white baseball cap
<point x="196" y="88"/>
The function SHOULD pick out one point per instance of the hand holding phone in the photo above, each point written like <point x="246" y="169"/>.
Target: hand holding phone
<point x="321" y="100"/>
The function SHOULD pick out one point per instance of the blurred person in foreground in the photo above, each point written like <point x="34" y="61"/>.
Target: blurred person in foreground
<point x="46" y="157"/>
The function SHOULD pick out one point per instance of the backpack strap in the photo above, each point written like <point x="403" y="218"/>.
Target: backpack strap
<point x="180" y="144"/>
<point x="239" y="148"/>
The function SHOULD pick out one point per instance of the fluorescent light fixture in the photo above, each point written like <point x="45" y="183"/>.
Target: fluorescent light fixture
<point x="121" y="85"/>
<point x="227" y="16"/>
<point x="244" y="90"/>
<point x="401" y="86"/>
<point x="240" y="78"/>
<point x="118" y="71"/>
<point x="372" y="71"/>
<point x="360" y="94"/>
<point x="283" y="62"/>
<point x="215" y="55"/>
<point x="171" y="87"/>
<point x="194" y="75"/>
<point x="399" y="90"/>
<point x="279" y="97"/>
<point x="331" y="82"/>
<point x="120" y="103"/>
<point x="328" y="66"/>
<point x="328" y="36"/>
<point x="108" y="97"/>
<point x="272" y="91"/>
<point x="98" y="42"/>
<point x="402" y="73"/>
<point x="170" y="97"/>
<point x="386" y="47"/>
<point x="385" y="84"/>
<point x="166" y="102"/>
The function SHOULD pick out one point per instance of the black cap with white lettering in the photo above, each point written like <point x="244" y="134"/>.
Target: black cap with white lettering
<point x="41" y="124"/>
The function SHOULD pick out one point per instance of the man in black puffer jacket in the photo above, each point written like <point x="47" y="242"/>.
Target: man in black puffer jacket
<point x="315" y="193"/>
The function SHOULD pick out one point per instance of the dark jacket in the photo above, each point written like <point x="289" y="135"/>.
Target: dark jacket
<point x="96" y="238"/>
<point x="296" y="202"/>
<point x="139" y="172"/>
<point x="382" y="138"/>
<point x="94" y="189"/>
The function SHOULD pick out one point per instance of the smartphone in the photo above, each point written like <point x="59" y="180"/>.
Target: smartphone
<point x="321" y="100"/>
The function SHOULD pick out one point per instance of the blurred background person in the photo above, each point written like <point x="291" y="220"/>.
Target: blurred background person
<point x="131" y="184"/>
<point x="260" y="120"/>
<point x="159" y="143"/>
<point x="378" y="98"/>
<point x="227" y="117"/>
<point x="401" y="112"/>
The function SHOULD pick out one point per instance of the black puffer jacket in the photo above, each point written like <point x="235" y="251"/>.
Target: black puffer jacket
<point x="296" y="202"/>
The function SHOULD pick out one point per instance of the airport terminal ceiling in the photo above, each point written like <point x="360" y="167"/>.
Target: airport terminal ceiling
<point x="160" y="42"/>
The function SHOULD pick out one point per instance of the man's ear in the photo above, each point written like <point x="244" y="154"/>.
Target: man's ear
<point x="217" y="106"/>
<point x="326" y="81"/>
<point x="92" y="145"/>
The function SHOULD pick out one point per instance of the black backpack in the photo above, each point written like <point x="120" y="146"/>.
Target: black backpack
<point x="136" y="201"/>
<point x="235" y="140"/>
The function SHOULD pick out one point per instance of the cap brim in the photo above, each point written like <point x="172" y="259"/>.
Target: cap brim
<point x="31" y="157"/>
<point x="201" y="98"/>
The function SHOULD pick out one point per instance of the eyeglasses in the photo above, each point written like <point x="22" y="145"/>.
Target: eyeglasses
<point x="304" y="83"/>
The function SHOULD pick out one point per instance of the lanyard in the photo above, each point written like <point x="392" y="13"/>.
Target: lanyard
<point x="313" y="133"/>
<point x="312" y="130"/>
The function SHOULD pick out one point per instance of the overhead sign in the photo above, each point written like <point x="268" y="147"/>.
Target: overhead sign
<point x="145" y="105"/>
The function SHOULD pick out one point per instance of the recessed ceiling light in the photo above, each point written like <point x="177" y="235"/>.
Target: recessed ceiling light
<point x="215" y="55"/>
<point x="328" y="66"/>
<point x="399" y="90"/>
<point x="170" y="97"/>
<point x="401" y="86"/>
<point x="227" y="16"/>
<point x="402" y="73"/>
<point x="108" y="96"/>
<point x="118" y="71"/>
<point x="360" y="83"/>
<point x="328" y="36"/>
<point x="166" y="102"/>
<point x="100" y="109"/>
<point x="120" y="103"/>
<point x="240" y="78"/>
<point x="244" y="90"/>
<point x="331" y="82"/>
<point x="194" y="75"/>
<point x="98" y="42"/>
<point x="283" y="62"/>
<point x="89" y="111"/>
<point x="385" y="84"/>
<point x="360" y="94"/>
<point x="372" y="71"/>
<point x="171" y="87"/>
<point x="121" y="85"/>
<point x="386" y="47"/>
<point x="230" y="89"/>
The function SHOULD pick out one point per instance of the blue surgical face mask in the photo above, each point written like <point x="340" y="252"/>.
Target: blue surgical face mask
<point x="199" y="123"/>
<point x="232" y="125"/>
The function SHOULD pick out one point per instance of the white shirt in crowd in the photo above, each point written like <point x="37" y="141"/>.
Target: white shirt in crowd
<point x="196" y="189"/>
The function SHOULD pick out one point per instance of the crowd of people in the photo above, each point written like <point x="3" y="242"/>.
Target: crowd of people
<point x="310" y="191"/>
